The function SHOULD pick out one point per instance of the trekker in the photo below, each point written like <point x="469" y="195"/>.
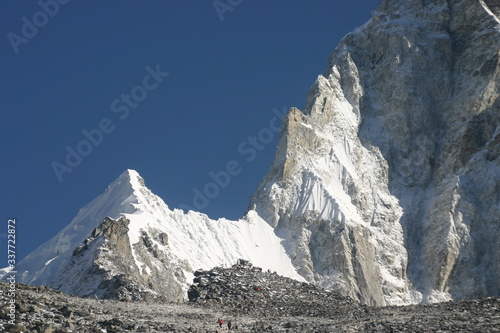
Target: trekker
<point x="220" y="322"/>
<point x="229" y="324"/>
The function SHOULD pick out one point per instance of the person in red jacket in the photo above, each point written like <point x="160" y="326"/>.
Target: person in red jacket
<point x="220" y="322"/>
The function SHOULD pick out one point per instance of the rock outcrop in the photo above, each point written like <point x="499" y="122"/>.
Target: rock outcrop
<point x="248" y="289"/>
<point x="386" y="185"/>
<point x="104" y="266"/>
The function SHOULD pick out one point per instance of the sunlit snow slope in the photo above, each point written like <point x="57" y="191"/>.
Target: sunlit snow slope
<point x="179" y="243"/>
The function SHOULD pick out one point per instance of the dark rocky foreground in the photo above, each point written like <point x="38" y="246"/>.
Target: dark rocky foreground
<point x="254" y="301"/>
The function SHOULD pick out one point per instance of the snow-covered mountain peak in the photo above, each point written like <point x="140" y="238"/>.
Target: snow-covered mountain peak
<point x="127" y="244"/>
<point x="128" y="187"/>
<point x="126" y="195"/>
<point x="384" y="187"/>
<point x="130" y="190"/>
<point x="133" y="177"/>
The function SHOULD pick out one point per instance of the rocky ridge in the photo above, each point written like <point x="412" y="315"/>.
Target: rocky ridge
<point x="102" y="266"/>
<point x="246" y="289"/>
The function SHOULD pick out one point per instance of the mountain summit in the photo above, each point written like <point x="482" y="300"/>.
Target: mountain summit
<point x="121" y="197"/>
<point x="385" y="187"/>
<point x="128" y="245"/>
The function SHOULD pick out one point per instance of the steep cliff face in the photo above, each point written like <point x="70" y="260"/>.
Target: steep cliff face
<point x="386" y="185"/>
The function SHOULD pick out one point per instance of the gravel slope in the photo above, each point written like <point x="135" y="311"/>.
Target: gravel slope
<point x="254" y="301"/>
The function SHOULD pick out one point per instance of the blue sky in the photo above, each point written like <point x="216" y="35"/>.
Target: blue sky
<point x="177" y="90"/>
